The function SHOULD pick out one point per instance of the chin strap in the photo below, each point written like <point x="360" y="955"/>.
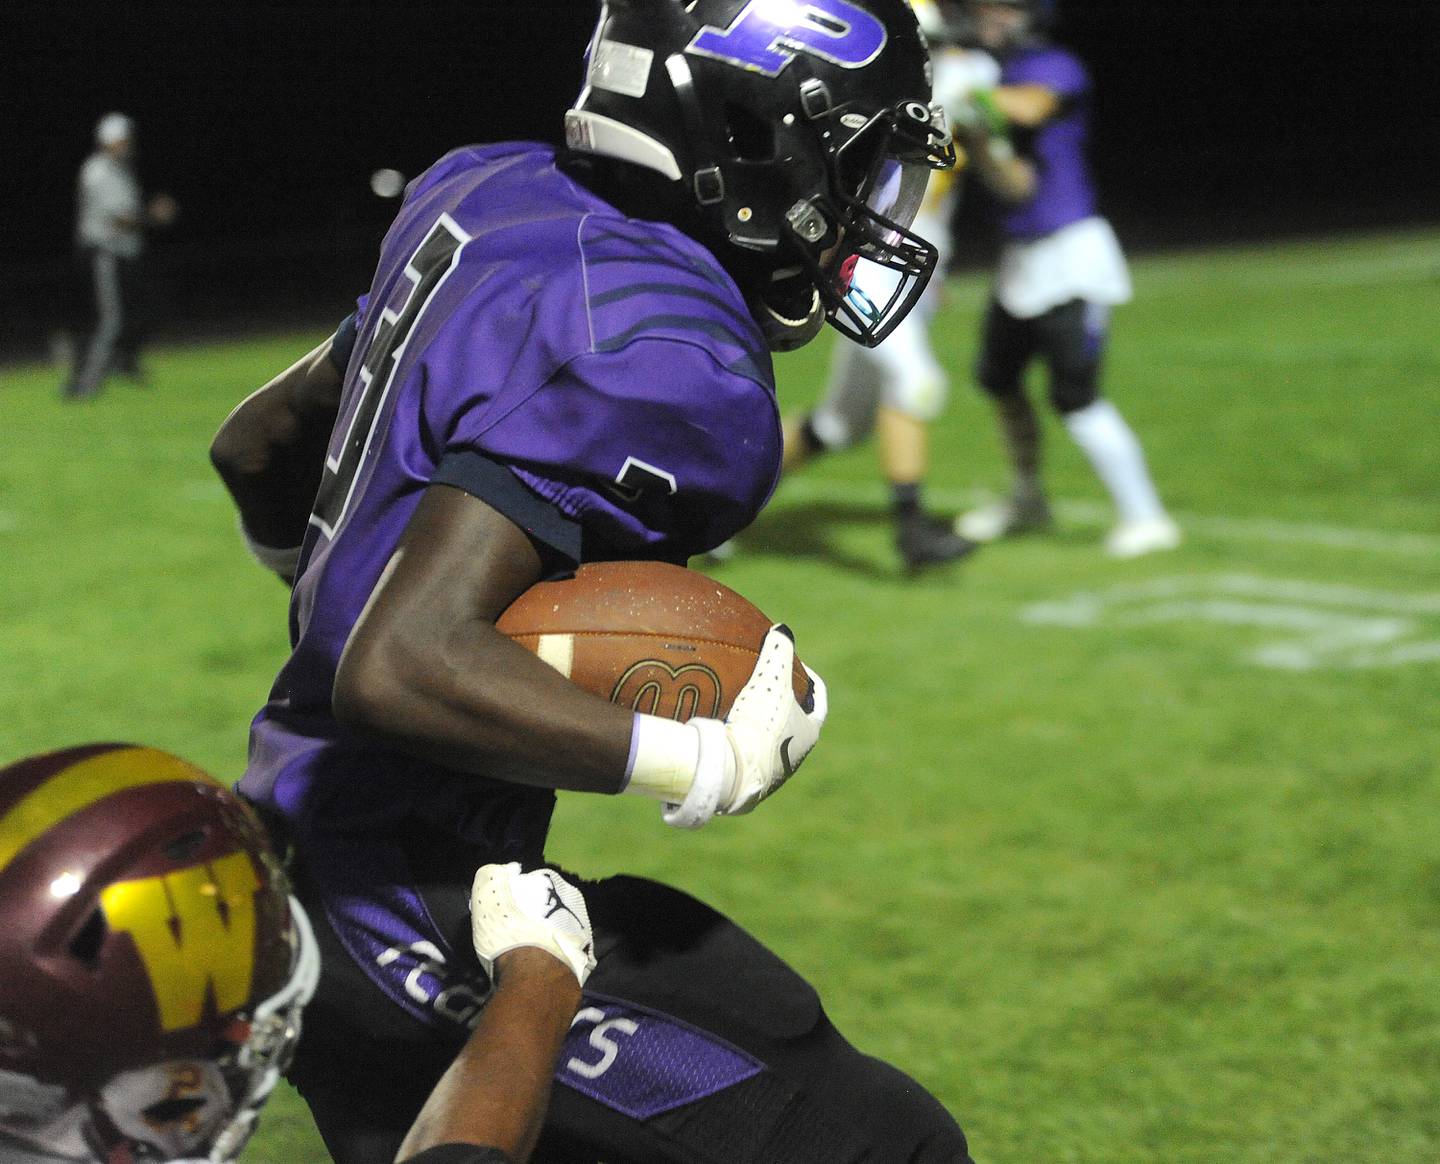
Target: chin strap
<point x="783" y="334"/>
<point x="706" y="183"/>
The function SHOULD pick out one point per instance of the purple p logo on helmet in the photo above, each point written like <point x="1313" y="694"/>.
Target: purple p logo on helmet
<point x="766" y="35"/>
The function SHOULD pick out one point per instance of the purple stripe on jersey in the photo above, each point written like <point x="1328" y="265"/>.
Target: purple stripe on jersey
<point x="642" y="1063"/>
<point x="655" y="284"/>
<point x="386" y="928"/>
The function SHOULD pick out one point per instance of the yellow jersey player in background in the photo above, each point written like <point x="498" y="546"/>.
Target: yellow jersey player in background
<point x="898" y="388"/>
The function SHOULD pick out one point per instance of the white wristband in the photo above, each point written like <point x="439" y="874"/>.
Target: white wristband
<point x="715" y="774"/>
<point x="663" y="758"/>
<point x="283" y="562"/>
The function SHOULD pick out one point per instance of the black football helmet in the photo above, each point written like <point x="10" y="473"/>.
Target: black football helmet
<point x="153" y="966"/>
<point x="801" y="135"/>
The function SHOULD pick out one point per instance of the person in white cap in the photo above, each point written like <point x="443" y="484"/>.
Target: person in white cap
<point x="110" y="236"/>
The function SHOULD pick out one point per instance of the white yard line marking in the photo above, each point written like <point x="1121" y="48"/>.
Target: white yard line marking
<point x="808" y="490"/>
<point x="1276" y="589"/>
<point x="1332" y="626"/>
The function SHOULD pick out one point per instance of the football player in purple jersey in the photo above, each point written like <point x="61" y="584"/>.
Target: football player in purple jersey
<point x="1060" y="272"/>
<point x="566" y="357"/>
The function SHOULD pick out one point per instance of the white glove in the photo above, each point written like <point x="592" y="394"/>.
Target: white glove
<point x="510" y="909"/>
<point x="759" y="745"/>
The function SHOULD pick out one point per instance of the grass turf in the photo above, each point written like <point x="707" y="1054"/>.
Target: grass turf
<point x="1109" y="886"/>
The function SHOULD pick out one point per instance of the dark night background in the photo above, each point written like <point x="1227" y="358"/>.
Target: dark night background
<point x="1215" y="121"/>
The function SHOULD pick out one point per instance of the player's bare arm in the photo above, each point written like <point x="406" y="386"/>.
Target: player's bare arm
<point x="426" y="669"/>
<point x="512" y="1051"/>
<point x="270" y="452"/>
<point x="1011" y="178"/>
<point x="1028" y="106"/>
<point x="1008" y="176"/>
<point x="532" y="934"/>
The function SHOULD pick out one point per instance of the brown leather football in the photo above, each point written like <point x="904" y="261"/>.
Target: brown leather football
<point x="648" y="635"/>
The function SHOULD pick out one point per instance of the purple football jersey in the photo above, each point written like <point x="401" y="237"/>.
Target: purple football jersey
<point x="1063" y="192"/>
<point x="595" y="378"/>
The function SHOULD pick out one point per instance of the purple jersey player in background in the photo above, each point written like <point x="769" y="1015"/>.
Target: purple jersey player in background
<point x="1060" y="272"/>
<point x="565" y="358"/>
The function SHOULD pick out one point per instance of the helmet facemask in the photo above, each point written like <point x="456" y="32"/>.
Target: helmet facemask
<point x="869" y="267"/>
<point x="269" y="1044"/>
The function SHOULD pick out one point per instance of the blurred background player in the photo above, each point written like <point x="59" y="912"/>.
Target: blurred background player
<point x="899" y="387"/>
<point x="156" y="969"/>
<point x="111" y="220"/>
<point x="1060" y="271"/>
<point x="565" y="358"/>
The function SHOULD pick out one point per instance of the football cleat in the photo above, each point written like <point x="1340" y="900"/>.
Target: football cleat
<point x="922" y="541"/>
<point x="1002" y="519"/>
<point x="1133" y="539"/>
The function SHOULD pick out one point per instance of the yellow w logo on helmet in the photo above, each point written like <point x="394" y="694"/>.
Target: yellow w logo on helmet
<point x="195" y="931"/>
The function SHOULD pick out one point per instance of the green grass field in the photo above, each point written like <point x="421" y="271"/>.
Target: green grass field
<point x="1126" y="861"/>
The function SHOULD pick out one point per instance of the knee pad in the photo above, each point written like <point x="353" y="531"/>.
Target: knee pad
<point x="907" y="377"/>
<point x="828" y="430"/>
<point x="1074" y="342"/>
<point x="921" y="395"/>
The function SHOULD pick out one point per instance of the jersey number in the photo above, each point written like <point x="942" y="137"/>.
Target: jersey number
<point x="607" y="1047"/>
<point x="427" y="269"/>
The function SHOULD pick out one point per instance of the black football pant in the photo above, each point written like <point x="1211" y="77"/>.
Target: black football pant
<point x="365" y="1067"/>
<point x="1069" y="338"/>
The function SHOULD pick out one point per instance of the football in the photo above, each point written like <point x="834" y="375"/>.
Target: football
<point x="651" y="636"/>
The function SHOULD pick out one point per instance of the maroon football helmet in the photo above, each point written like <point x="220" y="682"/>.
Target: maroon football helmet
<point x="152" y="963"/>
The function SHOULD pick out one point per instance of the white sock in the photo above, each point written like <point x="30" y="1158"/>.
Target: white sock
<point x="1114" y="451"/>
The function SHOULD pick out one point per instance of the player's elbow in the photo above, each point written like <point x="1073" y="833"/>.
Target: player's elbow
<point x="228" y="454"/>
<point x="387" y="685"/>
<point x="370" y="689"/>
<point x="1014" y="184"/>
<point x="246" y="443"/>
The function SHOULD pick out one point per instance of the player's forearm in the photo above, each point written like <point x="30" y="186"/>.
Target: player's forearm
<point x="1028" y="106"/>
<point x="984" y="129"/>
<point x="475" y="701"/>
<point x="993" y="161"/>
<point x="426" y="670"/>
<point x="274" y="503"/>
<point x="495" y="1093"/>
